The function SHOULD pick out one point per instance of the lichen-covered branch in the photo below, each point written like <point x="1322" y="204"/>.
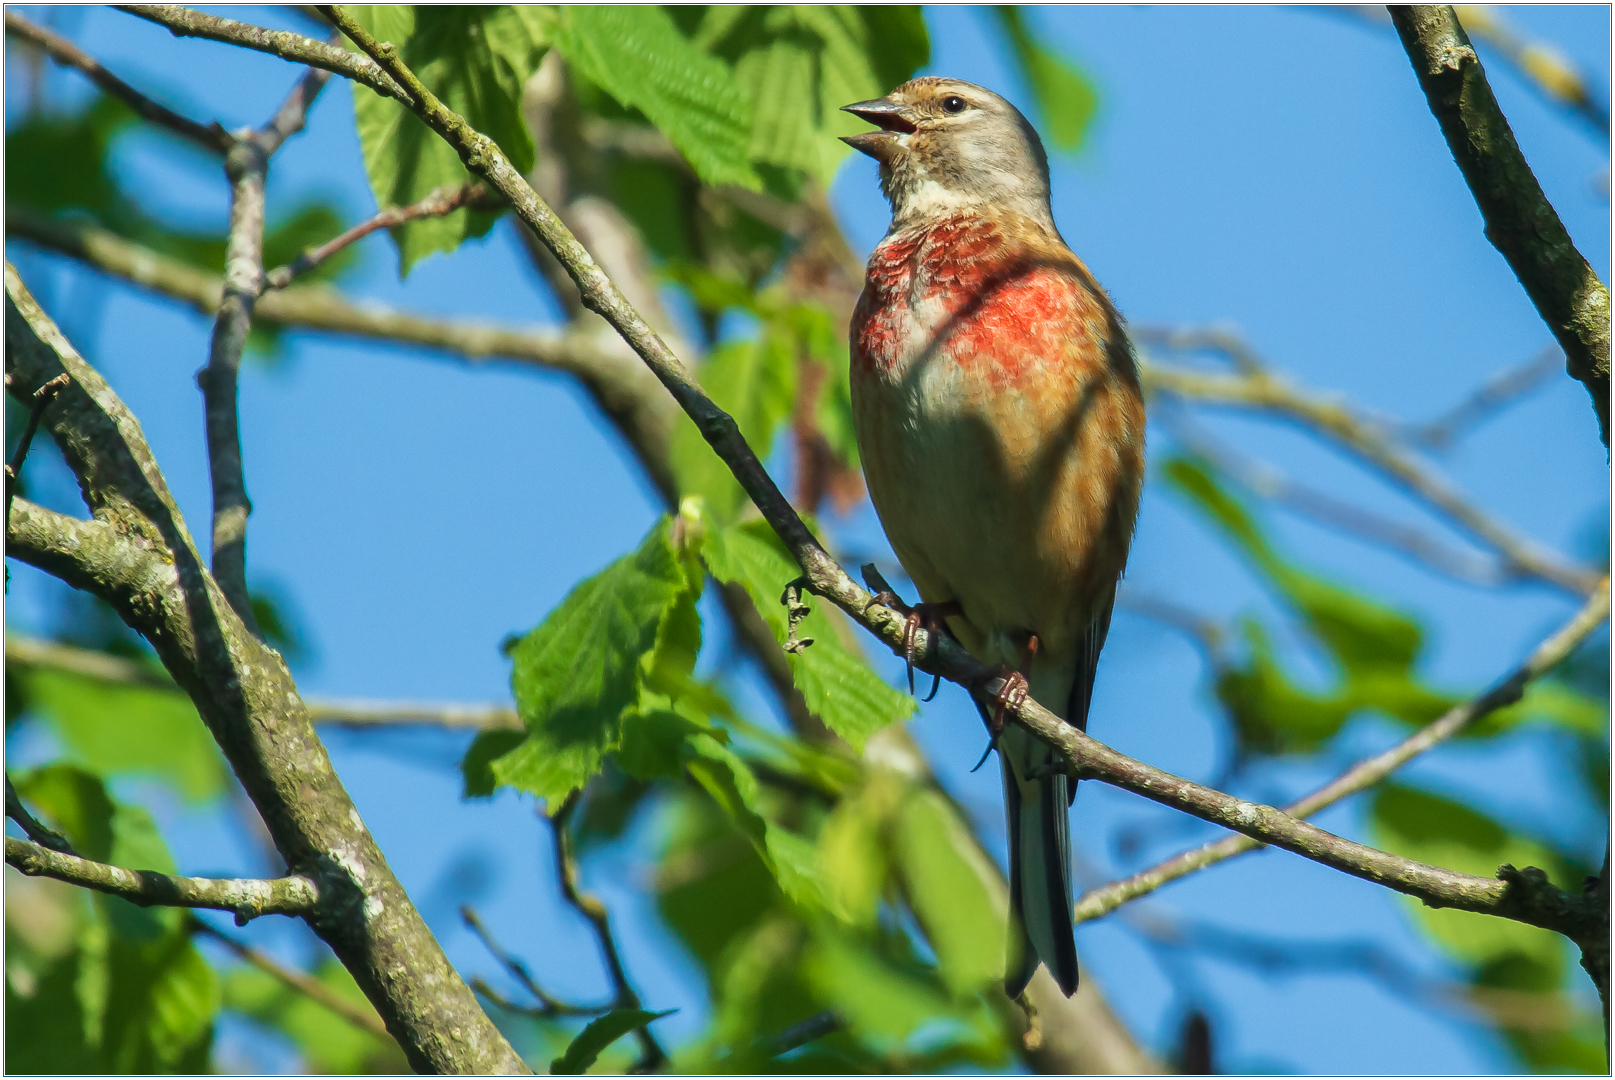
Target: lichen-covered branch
<point x="136" y="554"/>
<point x="1520" y="222"/>
<point x="1544" y="658"/>
<point x="208" y="136"/>
<point x="246" y="898"/>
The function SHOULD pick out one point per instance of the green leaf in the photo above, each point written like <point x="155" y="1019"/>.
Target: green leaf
<point x="956" y="893"/>
<point x="753" y="381"/>
<point x="1437" y="830"/>
<point x="875" y="998"/>
<point x="1066" y="100"/>
<point x="600" y="1034"/>
<point x="852" y="862"/>
<point x="577" y="673"/>
<point x="637" y="55"/>
<point x="800" y="63"/>
<point x="475" y="59"/>
<point x="142" y="997"/>
<point x="114" y="729"/>
<point x="841" y="689"/>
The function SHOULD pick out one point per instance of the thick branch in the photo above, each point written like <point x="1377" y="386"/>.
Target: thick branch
<point x="246" y="898"/>
<point x="208" y="136"/>
<point x="138" y="556"/>
<point x="1544" y="658"/>
<point x="1520" y="222"/>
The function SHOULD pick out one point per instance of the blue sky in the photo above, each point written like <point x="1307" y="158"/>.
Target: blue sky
<point x="1275" y="169"/>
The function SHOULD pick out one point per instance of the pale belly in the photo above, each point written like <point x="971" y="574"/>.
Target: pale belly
<point x="996" y="496"/>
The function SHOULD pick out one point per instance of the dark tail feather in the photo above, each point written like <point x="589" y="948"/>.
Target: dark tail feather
<point x="1039" y="880"/>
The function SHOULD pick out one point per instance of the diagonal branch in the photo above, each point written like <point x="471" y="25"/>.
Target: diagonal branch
<point x="305" y="984"/>
<point x="445" y="200"/>
<point x="1334" y="421"/>
<point x="1520" y="222"/>
<point x="36" y="411"/>
<point x="208" y="136"/>
<point x="590" y="907"/>
<point x="1544" y="658"/>
<point x="246" y="898"/>
<point x="1523" y="895"/>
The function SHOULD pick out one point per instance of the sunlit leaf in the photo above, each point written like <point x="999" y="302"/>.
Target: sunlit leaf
<point x="637" y="55"/>
<point x="475" y="59"/>
<point x="598" y="1035"/>
<point x="327" y="1042"/>
<point x="956" y="893"/>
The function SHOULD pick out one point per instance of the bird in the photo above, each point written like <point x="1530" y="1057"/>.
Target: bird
<point x="1000" y="423"/>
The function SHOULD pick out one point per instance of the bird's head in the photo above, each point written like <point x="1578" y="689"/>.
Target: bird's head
<point x="946" y="146"/>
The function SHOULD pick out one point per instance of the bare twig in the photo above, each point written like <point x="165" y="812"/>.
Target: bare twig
<point x="590" y="907"/>
<point x="184" y="22"/>
<point x="36" y="410"/>
<point x="1272" y="483"/>
<point x="40" y="834"/>
<point x="364" y="1019"/>
<point x="624" y="390"/>
<point x="209" y="136"/>
<point x="1520" y="222"/>
<point x="1499" y="390"/>
<point x="814" y="1027"/>
<point x="548" y="1004"/>
<point x="445" y="200"/>
<point x="24" y="651"/>
<point x="1364" y="440"/>
<point x="246" y="898"/>
<point x="246" y="166"/>
<point x="1107" y="898"/>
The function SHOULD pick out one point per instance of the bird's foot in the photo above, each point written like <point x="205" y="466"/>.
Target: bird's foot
<point x="1013" y="690"/>
<point x="930" y="618"/>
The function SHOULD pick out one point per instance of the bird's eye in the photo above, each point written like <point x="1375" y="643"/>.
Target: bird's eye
<point x="953" y="105"/>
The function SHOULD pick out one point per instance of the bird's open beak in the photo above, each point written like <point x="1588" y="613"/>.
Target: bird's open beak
<point x="885" y="114"/>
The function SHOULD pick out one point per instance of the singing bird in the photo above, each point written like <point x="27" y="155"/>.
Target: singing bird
<point x="998" y="414"/>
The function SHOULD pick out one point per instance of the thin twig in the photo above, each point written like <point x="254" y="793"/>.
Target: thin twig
<point x="36" y="411"/>
<point x="185" y="22"/>
<point x="246" y="898"/>
<point x="361" y="1017"/>
<point x="1501" y="389"/>
<point x="590" y="907"/>
<point x="23" y="651"/>
<point x="445" y="200"/>
<point x="1101" y="901"/>
<point x="208" y="136"/>
<point x="37" y="832"/>
<point x="548" y="1004"/>
<point x="246" y="166"/>
<point x="1271" y="483"/>
<point x="1365" y="441"/>
<point x="1520" y="222"/>
<point x="814" y="1027"/>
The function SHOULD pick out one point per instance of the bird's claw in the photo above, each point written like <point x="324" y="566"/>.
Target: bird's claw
<point x="1013" y="691"/>
<point x="930" y="618"/>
